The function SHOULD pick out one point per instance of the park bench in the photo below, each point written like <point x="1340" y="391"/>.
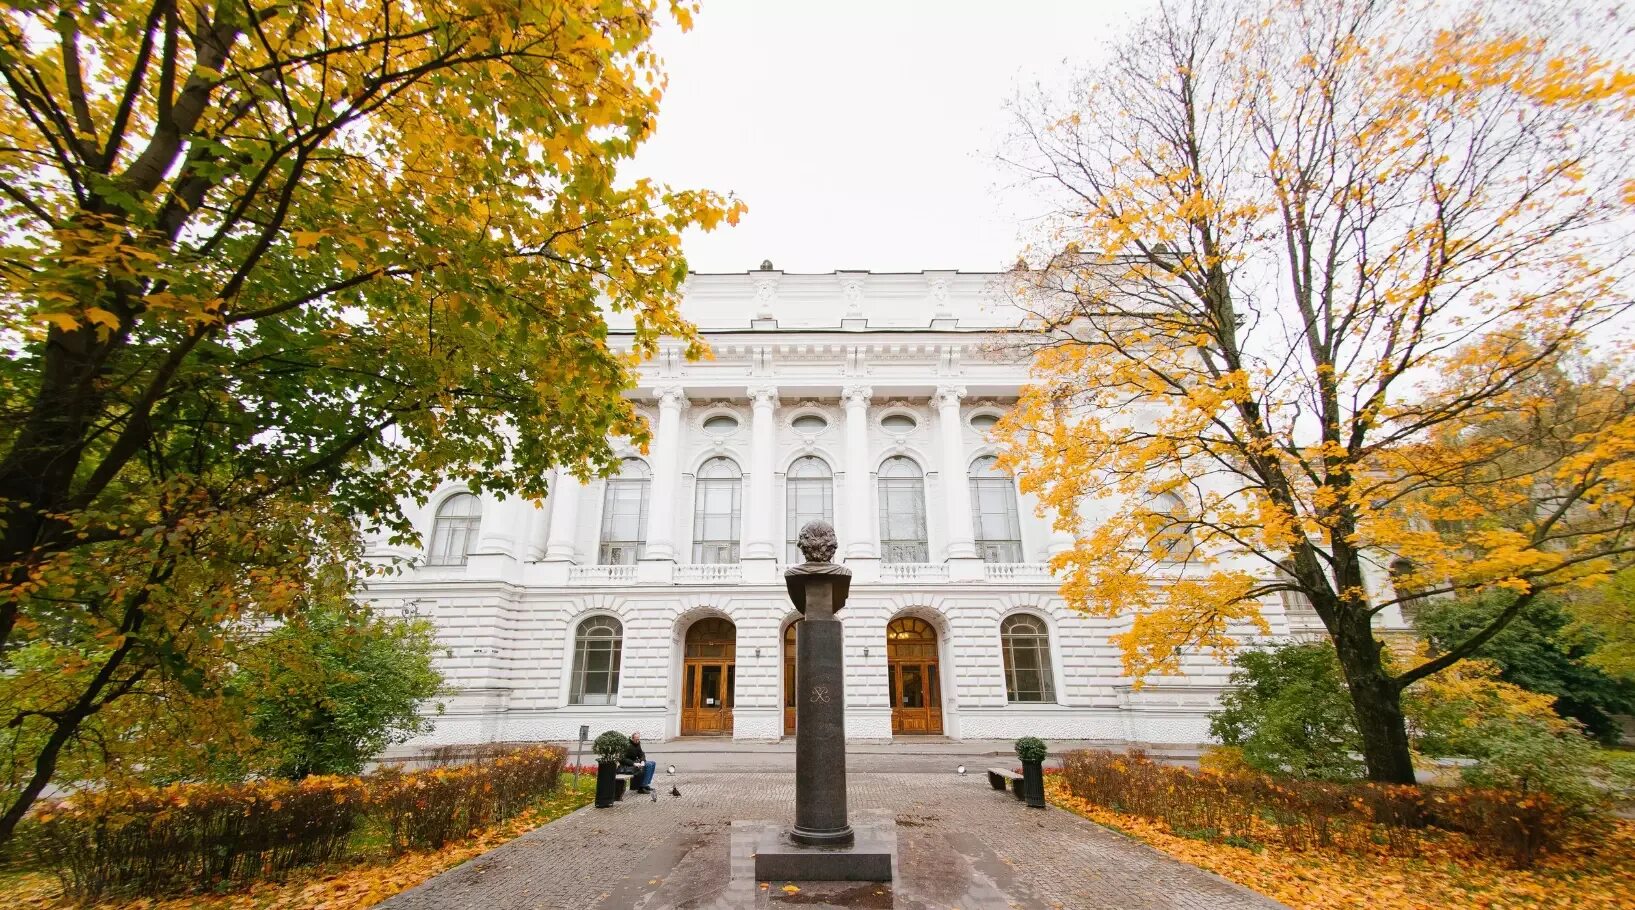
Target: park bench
<point x="621" y="783"/>
<point x="998" y="776"/>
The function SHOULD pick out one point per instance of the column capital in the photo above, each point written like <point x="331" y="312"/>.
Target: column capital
<point x="671" y="396"/>
<point x="856" y="394"/>
<point x="763" y="395"/>
<point x="948" y="396"/>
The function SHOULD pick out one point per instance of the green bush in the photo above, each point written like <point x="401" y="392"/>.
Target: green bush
<point x="1540" y="651"/>
<point x="1289" y="713"/>
<point x="1031" y="748"/>
<point x="334" y="686"/>
<point x="611" y="746"/>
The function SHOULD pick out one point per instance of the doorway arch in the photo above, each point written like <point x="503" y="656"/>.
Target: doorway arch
<point x="913" y="676"/>
<point x="789" y="651"/>
<point x="708" y="677"/>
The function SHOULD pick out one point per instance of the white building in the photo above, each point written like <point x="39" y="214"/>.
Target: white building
<point x="654" y="601"/>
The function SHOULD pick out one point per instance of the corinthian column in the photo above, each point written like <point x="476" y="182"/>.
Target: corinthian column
<point x="859" y="518"/>
<point x="956" y="484"/>
<point x="759" y="508"/>
<point x="661" y="509"/>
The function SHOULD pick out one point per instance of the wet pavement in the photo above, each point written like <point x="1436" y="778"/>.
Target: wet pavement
<point x="959" y="845"/>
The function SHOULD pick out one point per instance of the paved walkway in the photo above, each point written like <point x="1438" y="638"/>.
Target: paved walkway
<point x="960" y="845"/>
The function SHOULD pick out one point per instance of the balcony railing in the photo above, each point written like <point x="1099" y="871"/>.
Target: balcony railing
<point x="913" y="571"/>
<point x="708" y="573"/>
<point x="601" y="575"/>
<point x="1018" y="571"/>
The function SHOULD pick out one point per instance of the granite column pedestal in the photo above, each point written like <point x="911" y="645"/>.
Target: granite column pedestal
<point x="822" y="846"/>
<point x="820" y="737"/>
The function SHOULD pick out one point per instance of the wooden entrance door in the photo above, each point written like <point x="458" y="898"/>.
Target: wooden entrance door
<point x="708" y="675"/>
<point x="914" y="679"/>
<point x="789" y="679"/>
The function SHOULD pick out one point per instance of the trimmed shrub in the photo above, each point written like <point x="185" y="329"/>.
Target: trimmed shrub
<point x="1031" y="748"/>
<point x="188" y="836"/>
<point x="1313" y="815"/>
<point x="176" y="838"/>
<point x="611" y="745"/>
<point x="424" y="810"/>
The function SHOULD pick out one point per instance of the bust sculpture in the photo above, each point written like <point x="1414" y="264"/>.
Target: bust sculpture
<point x="817" y="543"/>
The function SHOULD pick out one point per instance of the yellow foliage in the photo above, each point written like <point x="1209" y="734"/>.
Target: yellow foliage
<point x="1595" y="872"/>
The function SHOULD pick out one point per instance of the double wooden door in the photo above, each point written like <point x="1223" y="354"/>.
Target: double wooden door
<point x="914" y="677"/>
<point x="789" y="678"/>
<point x="708" y="678"/>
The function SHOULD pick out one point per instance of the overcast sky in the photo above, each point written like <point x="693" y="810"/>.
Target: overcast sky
<point x="862" y="134"/>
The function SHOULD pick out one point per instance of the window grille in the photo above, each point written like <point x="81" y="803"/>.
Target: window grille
<point x="809" y="496"/>
<point x="902" y="511"/>
<point x="597" y="650"/>
<point x="717" y="512"/>
<point x="993" y="504"/>
<point x="454" y="530"/>
<point x="624" y="515"/>
<point x="1026" y="643"/>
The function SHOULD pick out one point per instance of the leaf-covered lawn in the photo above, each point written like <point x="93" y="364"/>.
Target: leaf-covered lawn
<point x="372" y="875"/>
<point x="1597" y="875"/>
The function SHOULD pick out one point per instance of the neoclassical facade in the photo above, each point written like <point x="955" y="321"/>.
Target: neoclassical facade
<point x="654" y="601"/>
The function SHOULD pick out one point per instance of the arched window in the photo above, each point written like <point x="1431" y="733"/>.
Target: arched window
<point x="597" y="647"/>
<point x="1026" y="643"/>
<point x="717" y="512"/>
<point x="624" y="514"/>
<point x="1173" y="539"/>
<point x="993" y="507"/>
<point x="810" y="497"/>
<point x="454" y="530"/>
<point x="902" y="511"/>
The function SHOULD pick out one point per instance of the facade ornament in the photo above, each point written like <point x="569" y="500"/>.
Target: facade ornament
<point x="939" y="299"/>
<point x="948" y="396"/>
<point x="852" y="291"/>
<point x="671" y="396"/>
<point x="763" y="395"/>
<point x="856" y="394"/>
<point x="766" y="290"/>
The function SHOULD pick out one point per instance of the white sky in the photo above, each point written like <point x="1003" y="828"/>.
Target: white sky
<point x="862" y="135"/>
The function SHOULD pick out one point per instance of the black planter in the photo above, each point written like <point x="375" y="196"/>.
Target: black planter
<point x="1033" y="784"/>
<point x="607" y="786"/>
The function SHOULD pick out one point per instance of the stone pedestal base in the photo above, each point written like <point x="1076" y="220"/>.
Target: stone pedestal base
<point x="870" y="857"/>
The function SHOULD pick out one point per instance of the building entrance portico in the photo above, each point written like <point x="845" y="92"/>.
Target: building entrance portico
<point x="708" y="677"/>
<point x="914" y="677"/>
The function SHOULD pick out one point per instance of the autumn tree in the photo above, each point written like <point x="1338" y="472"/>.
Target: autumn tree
<point x="1299" y="257"/>
<point x="304" y="259"/>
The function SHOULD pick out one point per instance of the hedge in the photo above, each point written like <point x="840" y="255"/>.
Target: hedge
<point x="1311" y="815"/>
<point x="183" y="837"/>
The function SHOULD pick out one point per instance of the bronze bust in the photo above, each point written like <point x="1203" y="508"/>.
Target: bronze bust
<point x="817" y="543"/>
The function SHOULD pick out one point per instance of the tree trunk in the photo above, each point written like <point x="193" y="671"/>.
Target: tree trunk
<point x="1377" y="701"/>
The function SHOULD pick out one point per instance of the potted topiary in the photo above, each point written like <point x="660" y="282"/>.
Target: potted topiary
<point x="610" y="747"/>
<point x="1031" y="750"/>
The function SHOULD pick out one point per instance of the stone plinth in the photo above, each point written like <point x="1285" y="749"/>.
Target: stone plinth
<point x="869" y="857"/>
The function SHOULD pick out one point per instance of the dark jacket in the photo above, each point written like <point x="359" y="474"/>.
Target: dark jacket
<point x="633" y="755"/>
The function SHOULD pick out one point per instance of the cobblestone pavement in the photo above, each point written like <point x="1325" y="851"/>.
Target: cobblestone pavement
<point x="960" y="845"/>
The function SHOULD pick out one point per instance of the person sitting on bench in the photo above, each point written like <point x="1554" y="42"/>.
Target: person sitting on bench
<point x="638" y="765"/>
